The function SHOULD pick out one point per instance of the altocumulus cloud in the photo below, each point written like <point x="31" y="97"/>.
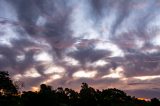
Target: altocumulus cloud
<point x="106" y="43"/>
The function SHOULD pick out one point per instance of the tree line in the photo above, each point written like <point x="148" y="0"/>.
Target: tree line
<point x="46" y="96"/>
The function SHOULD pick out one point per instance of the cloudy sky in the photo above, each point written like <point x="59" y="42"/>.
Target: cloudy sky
<point x="106" y="43"/>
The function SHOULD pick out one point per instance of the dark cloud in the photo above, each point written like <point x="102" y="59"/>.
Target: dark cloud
<point x="27" y="12"/>
<point x="134" y="84"/>
<point x="100" y="8"/>
<point x="56" y="13"/>
<point x="10" y="60"/>
<point x="144" y="93"/>
<point x="85" y="55"/>
<point x="53" y="26"/>
<point x="124" y="9"/>
<point x="141" y="64"/>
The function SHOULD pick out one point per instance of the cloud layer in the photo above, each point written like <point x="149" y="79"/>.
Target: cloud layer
<point x="106" y="43"/>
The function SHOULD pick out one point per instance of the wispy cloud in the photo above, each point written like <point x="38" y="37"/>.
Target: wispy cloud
<point x="64" y="43"/>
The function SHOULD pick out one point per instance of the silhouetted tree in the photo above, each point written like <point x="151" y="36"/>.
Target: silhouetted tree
<point x="29" y="99"/>
<point x="155" y="102"/>
<point x="73" y="97"/>
<point x="6" y="85"/>
<point x="46" y="96"/>
<point x="111" y="96"/>
<point x="61" y="95"/>
<point x="87" y="95"/>
<point x="8" y="91"/>
<point x="44" y="88"/>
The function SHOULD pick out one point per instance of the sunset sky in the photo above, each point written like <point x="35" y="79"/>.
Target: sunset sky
<point x="105" y="43"/>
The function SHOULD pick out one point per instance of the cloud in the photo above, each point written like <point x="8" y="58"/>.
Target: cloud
<point x="84" y="74"/>
<point x="117" y="73"/>
<point x="88" y="54"/>
<point x="144" y="93"/>
<point x="31" y="73"/>
<point x="147" y="77"/>
<point x="56" y="41"/>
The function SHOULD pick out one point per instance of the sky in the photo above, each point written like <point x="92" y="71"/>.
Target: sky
<point x="105" y="43"/>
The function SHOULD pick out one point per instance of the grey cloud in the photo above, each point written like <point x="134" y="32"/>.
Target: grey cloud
<point x="141" y="64"/>
<point x="134" y="84"/>
<point x="85" y="55"/>
<point x="9" y="59"/>
<point x="55" y="12"/>
<point x="144" y="93"/>
<point x="101" y="7"/>
<point x="124" y="9"/>
<point x="132" y="23"/>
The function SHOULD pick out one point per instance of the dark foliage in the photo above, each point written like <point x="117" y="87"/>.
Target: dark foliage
<point x="6" y="85"/>
<point x="46" y="96"/>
